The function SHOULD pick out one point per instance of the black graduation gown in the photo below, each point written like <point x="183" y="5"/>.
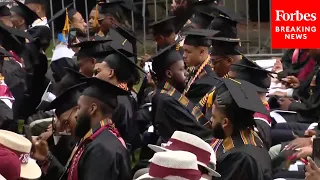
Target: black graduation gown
<point x="237" y="160"/>
<point x="125" y="123"/>
<point x="309" y="96"/>
<point x="104" y="158"/>
<point x="202" y="85"/>
<point x="170" y="115"/>
<point x="292" y="69"/>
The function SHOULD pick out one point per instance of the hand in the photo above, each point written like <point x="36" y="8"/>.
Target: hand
<point x="150" y="80"/>
<point x="310" y="132"/>
<point x="292" y="81"/>
<point x="277" y="66"/>
<point x="284" y="103"/>
<point x="279" y="94"/>
<point x="312" y="170"/>
<point x="45" y="135"/>
<point x="299" y="143"/>
<point x="144" y="59"/>
<point x="41" y="150"/>
<point x="304" y="152"/>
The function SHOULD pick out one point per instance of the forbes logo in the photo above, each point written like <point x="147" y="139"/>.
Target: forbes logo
<point x="281" y="15"/>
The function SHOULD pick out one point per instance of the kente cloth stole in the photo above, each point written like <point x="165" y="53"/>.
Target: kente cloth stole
<point x="91" y="135"/>
<point x="194" y="110"/>
<point x="200" y="72"/>
<point x="244" y="137"/>
<point x="203" y="101"/>
<point x="313" y="83"/>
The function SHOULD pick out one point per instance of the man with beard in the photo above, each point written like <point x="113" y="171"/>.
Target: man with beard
<point x="169" y="106"/>
<point x="101" y="152"/>
<point x="248" y="70"/>
<point x="62" y="54"/>
<point x="240" y="152"/>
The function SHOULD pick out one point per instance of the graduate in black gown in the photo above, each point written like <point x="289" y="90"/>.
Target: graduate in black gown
<point x="164" y="33"/>
<point x="86" y="55"/>
<point x="307" y="92"/>
<point x="168" y="106"/>
<point x="101" y="153"/>
<point x="196" y="54"/>
<point x="113" y="16"/>
<point x="225" y="51"/>
<point x="119" y="70"/>
<point x="239" y="149"/>
<point x="247" y="70"/>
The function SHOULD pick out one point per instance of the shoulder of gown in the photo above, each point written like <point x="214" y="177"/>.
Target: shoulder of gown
<point x="105" y="158"/>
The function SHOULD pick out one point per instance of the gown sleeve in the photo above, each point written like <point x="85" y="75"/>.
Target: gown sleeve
<point x="98" y="164"/>
<point x="171" y="116"/>
<point x="238" y="166"/>
<point x="311" y="105"/>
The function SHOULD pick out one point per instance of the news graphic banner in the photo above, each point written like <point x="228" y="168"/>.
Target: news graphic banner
<point x="295" y="24"/>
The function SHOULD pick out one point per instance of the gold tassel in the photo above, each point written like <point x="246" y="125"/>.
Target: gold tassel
<point x="210" y="99"/>
<point x="95" y="20"/>
<point x="66" y="28"/>
<point x="177" y="47"/>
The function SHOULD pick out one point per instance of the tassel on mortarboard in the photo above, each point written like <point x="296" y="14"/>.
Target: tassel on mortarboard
<point x="96" y="15"/>
<point x="66" y="28"/>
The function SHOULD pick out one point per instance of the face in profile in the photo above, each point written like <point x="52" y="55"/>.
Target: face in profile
<point x="83" y="116"/>
<point x="79" y="23"/>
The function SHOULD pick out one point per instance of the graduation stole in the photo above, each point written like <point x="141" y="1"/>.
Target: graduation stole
<point x="91" y="135"/>
<point x="194" y="110"/>
<point x="206" y="100"/>
<point x="243" y="137"/>
<point x="200" y="73"/>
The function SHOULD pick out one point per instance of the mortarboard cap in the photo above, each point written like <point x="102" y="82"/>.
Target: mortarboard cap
<point x="126" y="34"/>
<point x="4" y="10"/>
<point x="201" y="19"/>
<point x="239" y="93"/>
<point x="222" y="46"/>
<point x="36" y="1"/>
<point x="113" y="7"/>
<point x="226" y="22"/>
<point x="71" y="78"/>
<point x="103" y="91"/>
<point x="199" y="37"/>
<point x="206" y="6"/>
<point x="66" y="100"/>
<point x="123" y="56"/>
<point x="165" y="58"/>
<point x="119" y="41"/>
<point x="250" y="71"/>
<point x="89" y="48"/>
<point x="25" y="12"/>
<point x="163" y="27"/>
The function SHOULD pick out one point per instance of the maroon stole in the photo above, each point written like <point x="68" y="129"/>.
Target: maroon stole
<point x="90" y="136"/>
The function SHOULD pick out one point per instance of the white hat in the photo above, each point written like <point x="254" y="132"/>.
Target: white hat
<point x="22" y="147"/>
<point x="173" y="165"/>
<point x="182" y="141"/>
